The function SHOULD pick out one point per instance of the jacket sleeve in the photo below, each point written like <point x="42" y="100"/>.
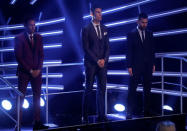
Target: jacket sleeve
<point x="107" y="47"/>
<point x="41" y="54"/>
<point x="18" y="50"/>
<point x="85" y="42"/>
<point x="129" y="55"/>
<point x="153" y="48"/>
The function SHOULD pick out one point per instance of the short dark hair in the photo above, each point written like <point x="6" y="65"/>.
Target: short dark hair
<point x="27" y="19"/>
<point x="142" y="15"/>
<point x="94" y="6"/>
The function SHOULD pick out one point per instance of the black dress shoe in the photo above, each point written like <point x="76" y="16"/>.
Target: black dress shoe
<point x="39" y="126"/>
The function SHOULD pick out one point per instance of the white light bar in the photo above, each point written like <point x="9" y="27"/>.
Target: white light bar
<point x="50" y="75"/>
<point x="45" y="63"/>
<point x="152" y="16"/>
<point x="117" y="58"/>
<point x="41" y="23"/>
<point x="12" y="2"/>
<point x="44" y="34"/>
<point x="114" y="39"/>
<point x="46" y="46"/>
<point x="124" y="7"/>
<point x="140" y="89"/>
<point x="156" y="34"/>
<point x="50" y="87"/>
<point x="33" y="2"/>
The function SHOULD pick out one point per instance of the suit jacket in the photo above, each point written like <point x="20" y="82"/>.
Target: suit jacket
<point x="28" y="56"/>
<point x="95" y="49"/>
<point x="140" y="54"/>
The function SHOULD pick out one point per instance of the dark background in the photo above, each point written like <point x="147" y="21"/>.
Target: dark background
<point x="71" y="51"/>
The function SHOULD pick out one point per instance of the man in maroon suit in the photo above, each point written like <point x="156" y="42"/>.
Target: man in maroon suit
<point x="29" y="55"/>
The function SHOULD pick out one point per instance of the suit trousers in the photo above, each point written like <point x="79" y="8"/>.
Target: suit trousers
<point x="92" y="71"/>
<point x="23" y="80"/>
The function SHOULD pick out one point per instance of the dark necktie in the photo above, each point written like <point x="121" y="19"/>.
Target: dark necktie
<point x="98" y="31"/>
<point x="32" y="40"/>
<point x="143" y="37"/>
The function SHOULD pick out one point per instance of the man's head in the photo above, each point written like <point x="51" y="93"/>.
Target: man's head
<point x="96" y="12"/>
<point x="142" y="21"/>
<point x="29" y="25"/>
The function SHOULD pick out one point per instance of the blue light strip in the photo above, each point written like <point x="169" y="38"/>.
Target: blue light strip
<point x="157" y="73"/>
<point x="140" y="89"/>
<point x="47" y="46"/>
<point x="117" y="58"/>
<point x="51" y="33"/>
<point x="13" y="2"/>
<point x="153" y="16"/>
<point x="44" y="34"/>
<point x="50" y="87"/>
<point x="13" y="64"/>
<point x="117" y="39"/>
<point x="33" y="2"/>
<point x="156" y="34"/>
<point x="50" y="75"/>
<point x="48" y="22"/>
<point x="124" y="7"/>
<point x="172" y="32"/>
<point x="42" y="23"/>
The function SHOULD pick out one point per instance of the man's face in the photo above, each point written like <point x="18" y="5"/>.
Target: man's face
<point x="30" y="26"/>
<point x="97" y="14"/>
<point x="142" y="23"/>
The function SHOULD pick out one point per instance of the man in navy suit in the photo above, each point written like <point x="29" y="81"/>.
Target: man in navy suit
<point x="96" y="49"/>
<point x="140" y="63"/>
<point x="29" y="55"/>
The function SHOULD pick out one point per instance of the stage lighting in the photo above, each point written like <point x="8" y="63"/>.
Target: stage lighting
<point x="33" y="2"/>
<point x="42" y="102"/>
<point x="6" y="105"/>
<point x="119" y="107"/>
<point x="123" y="7"/>
<point x="12" y="2"/>
<point x="168" y="108"/>
<point x="25" y="104"/>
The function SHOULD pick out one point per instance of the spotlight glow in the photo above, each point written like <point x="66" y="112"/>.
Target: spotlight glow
<point x="168" y="108"/>
<point x="25" y="104"/>
<point x="42" y="102"/>
<point x="6" y="105"/>
<point x="119" y="107"/>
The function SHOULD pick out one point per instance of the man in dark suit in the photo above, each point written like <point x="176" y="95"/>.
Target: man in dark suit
<point x="96" y="49"/>
<point x="29" y="55"/>
<point x="140" y="63"/>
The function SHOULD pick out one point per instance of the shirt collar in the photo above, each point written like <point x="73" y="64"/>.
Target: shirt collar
<point x="95" y="24"/>
<point x="140" y="29"/>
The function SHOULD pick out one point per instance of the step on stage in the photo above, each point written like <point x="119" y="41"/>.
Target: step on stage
<point x="136" y="124"/>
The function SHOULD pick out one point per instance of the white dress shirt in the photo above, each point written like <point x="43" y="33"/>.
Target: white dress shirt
<point x="95" y="27"/>
<point x="140" y="33"/>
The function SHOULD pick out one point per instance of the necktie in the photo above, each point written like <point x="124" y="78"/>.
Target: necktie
<point x="98" y="31"/>
<point x="32" y="40"/>
<point x="143" y="37"/>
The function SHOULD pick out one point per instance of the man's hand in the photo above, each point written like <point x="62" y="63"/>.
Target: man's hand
<point x="35" y="73"/>
<point x="101" y="63"/>
<point x="153" y="68"/>
<point x="130" y="71"/>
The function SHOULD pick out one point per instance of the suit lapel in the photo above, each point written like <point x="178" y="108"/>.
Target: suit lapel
<point x="139" y="38"/>
<point x="29" y="43"/>
<point x="93" y="30"/>
<point x="35" y="42"/>
<point x="27" y="40"/>
<point x="102" y="31"/>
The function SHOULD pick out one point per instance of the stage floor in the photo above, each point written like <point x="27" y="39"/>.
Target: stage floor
<point x="117" y="122"/>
